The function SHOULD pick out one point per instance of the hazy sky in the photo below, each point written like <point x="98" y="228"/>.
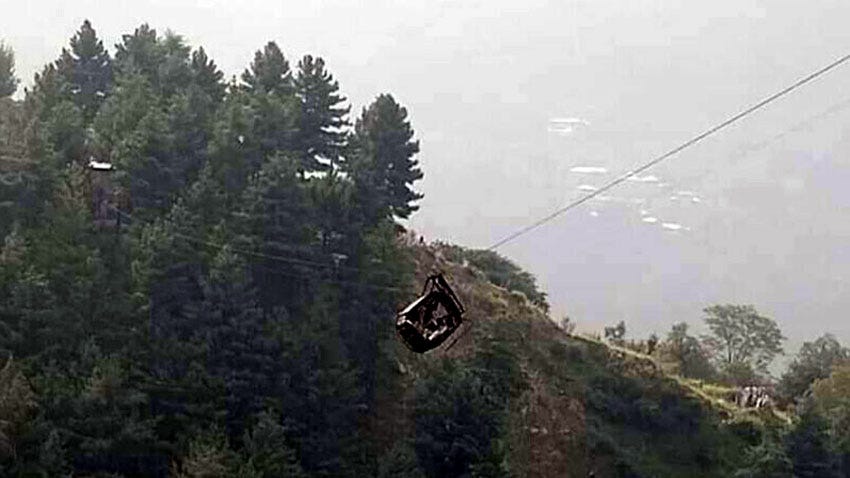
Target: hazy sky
<point x="483" y="79"/>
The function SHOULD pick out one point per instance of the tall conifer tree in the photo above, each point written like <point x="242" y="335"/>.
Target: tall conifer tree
<point x="269" y="72"/>
<point x="8" y="81"/>
<point x="383" y="164"/>
<point x="206" y="76"/>
<point x="88" y="69"/>
<point x="139" y="53"/>
<point x="321" y="135"/>
<point x="277" y="222"/>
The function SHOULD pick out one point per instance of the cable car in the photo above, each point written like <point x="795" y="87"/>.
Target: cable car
<point x="432" y="318"/>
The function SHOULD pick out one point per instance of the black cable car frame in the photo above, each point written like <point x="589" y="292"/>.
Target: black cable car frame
<point x="420" y="327"/>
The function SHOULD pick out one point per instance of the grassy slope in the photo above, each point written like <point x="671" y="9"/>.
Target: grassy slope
<point x="587" y="407"/>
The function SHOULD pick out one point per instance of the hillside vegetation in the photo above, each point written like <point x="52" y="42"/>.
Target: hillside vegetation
<point x="199" y="278"/>
<point x="572" y="406"/>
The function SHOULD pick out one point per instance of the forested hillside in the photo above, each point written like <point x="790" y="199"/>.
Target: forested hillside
<point x="229" y="311"/>
<point x="199" y="277"/>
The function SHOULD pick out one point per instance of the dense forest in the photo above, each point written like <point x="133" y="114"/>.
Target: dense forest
<point x="228" y="312"/>
<point x="198" y="278"/>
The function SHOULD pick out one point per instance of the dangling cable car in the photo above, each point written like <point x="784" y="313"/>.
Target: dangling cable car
<point x="432" y="318"/>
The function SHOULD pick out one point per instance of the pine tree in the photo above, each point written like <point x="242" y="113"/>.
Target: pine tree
<point x="268" y="450"/>
<point x="111" y="423"/>
<point x="210" y="456"/>
<point x="56" y="129"/>
<point x="19" y="195"/>
<point x="234" y="149"/>
<point x="240" y="348"/>
<point x="157" y="151"/>
<point x="276" y="125"/>
<point x="8" y="81"/>
<point x="276" y="221"/>
<point x="382" y="164"/>
<point x="321" y="395"/>
<point x="88" y="69"/>
<point x="185" y="396"/>
<point x="17" y="402"/>
<point x="321" y="136"/>
<point x="50" y="316"/>
<point x="139" y="53"/>
<point x="207" y="77"/>
<point x="269" y="72"/>
<point x="363" y="307"/>
<point x="241" y="297"/>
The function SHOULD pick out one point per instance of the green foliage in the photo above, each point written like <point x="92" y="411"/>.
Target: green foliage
<point x="134" y="131"/>
<point x="461" y="412"/>
<point x="499" y="270"/>
<point x="8" y="81"/>
<point x="209" y="457"/>
<point x="139" y="54"/>
<point x="831" y="395"/>
<point x="277" y="222"/>
<point x="646" y="427"/>
<point x="240" y="324"/>
<point x="235" y="326"/>
<point x="87" y="69"/>
<point x="321" y="136"/>
<point x="382" y="163"/>
<point x="269" y="72"/>
<point x="831" y="399"/>
<point x="17" y="403"/>
<point x="400" y="462"/>
<point x="768" y="459"/>
<point x="809" y="447"/>
<point x="19" y="194"/>
<point x="741" y="338"/>
<point x="687" y="353"/>
<point x="269" y="451"/>
<point x="738" y="374"/>
<point x="814" y="361"/>
<point x="240" y="350"/>
<point x="57" y="130"/>
<point x="207" y="77"/>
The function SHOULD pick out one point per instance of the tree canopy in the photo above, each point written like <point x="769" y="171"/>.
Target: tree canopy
<point x="686" y="351"/>
<point x="382" y="161"/>
<point x="8" y="80"/>
<point x="234" y="321"/>
<point x="741" y="337"/>
<point x="499" y="270"/>
<point x="814" y="361"/>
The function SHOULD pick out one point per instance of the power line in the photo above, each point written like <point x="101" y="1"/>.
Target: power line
<point x="276" y="258"/>
<point x="668" y="154"/>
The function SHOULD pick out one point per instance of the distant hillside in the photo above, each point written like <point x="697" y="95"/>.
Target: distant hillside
<point x="564" y="406"/>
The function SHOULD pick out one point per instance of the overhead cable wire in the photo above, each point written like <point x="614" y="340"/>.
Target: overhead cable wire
<point x="687" y="144"/>
<point x="277" y="258"/>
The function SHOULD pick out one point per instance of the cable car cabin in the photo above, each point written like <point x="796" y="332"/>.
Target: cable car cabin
<point x="432" y="318"/>
<point x="104" y="212"/>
